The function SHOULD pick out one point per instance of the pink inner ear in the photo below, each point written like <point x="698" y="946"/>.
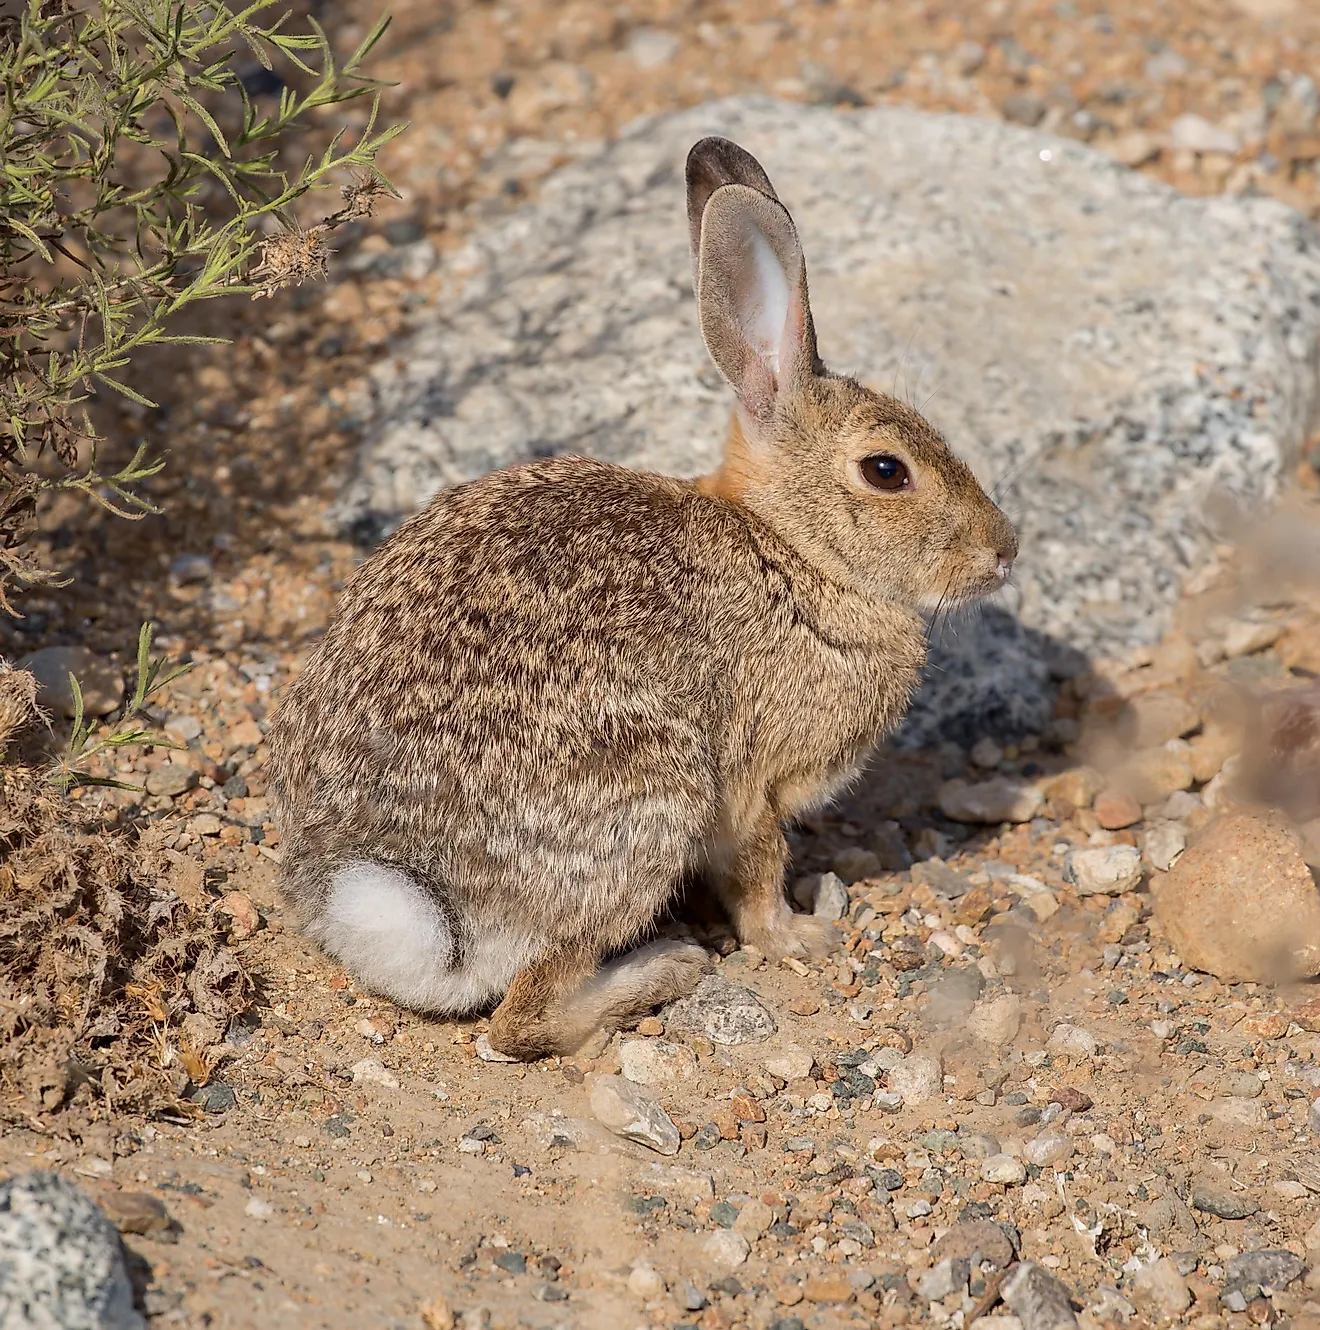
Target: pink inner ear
<point x="764" y="297"/>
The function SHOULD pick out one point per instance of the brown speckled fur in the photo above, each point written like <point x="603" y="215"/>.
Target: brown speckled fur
<point x="562" y="687"/>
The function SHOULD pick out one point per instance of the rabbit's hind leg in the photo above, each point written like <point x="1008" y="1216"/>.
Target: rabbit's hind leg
<point x="556" y="1003"/>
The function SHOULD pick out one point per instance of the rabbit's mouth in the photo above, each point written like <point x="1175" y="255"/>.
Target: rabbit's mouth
<point x="965" y="585"/>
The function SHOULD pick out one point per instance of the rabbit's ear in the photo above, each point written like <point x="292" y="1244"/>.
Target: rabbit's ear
<point x="711" y="163"/>
<point x="752" y="297"/>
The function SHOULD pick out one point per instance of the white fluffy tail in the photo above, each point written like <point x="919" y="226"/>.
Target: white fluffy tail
<point x="390" y="932"/>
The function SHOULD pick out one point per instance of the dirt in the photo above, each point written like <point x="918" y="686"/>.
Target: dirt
<point x="299" y="1195"/>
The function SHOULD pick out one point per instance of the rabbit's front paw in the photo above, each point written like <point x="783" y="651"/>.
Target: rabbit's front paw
<point x="801" y="935"/>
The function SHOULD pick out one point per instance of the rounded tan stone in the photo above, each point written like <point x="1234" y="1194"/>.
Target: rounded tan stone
<point x="1115" y="810"/>
<point x="1241" y="902"/>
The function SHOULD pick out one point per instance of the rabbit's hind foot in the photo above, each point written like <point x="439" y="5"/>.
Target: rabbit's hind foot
<point x="556" y="1004"/>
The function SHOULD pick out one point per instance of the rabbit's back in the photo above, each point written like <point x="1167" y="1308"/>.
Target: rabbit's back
<point x="536" y="664"/>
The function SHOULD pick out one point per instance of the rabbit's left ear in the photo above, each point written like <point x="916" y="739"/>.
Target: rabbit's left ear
<point x="711" y="163"/>
<point x="752" y="299"/>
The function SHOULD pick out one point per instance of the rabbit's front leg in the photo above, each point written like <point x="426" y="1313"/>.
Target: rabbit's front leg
<point x="749" y="880"/>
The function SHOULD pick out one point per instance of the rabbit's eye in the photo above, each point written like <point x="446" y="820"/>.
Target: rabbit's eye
<point x="883" y="472"/>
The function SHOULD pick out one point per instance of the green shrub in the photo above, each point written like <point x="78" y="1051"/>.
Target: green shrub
<point x="137" y="177"/>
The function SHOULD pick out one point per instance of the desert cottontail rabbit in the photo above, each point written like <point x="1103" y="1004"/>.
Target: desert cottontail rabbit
<point x="560" y="689"/>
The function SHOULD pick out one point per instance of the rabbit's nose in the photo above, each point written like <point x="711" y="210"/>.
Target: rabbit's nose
<point x="1004" y="542"/>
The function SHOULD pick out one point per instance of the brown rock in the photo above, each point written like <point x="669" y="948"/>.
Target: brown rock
<point x="726" y="1119"/>
<point x="905" y="953"/>
<point x="1078" y="786"/>
<point x="137" y="1212"/>
<point x="973" y="908"/>
<point x="1152" y="719"/>
<point x="971" y="1236"/>
<point x="245" y="919"/>
<point x="1071" y="1098"/>
<point x="1265" y="1025"/>
<point x="651" y="1027"/>
<point x="746" y="1107"/>
<point x="1307" y="1015"/>
<point x="753" y="1135"/>
<point x="1241" y="902"/>
<point x="438" y="1315"/>
<point x="1210" y="751"/>
<point x="1175" y="659"/>
<point x="1152" y="774"/>
<point x="246" y="734"/>
<point x="1115" y="810"/>
<point x="832" y="1288"/>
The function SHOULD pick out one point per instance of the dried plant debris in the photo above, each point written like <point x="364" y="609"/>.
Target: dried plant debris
<point x="101" y="962"/>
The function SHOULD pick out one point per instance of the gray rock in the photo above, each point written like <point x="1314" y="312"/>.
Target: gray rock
<point x="1059" y="302"/>
<point x="1274" y="1269"/>
<point x="978" y="1145"/>
<point x="651" y="48"/>
<point x="789" y="1064"/>
<point x="172" y="780"/>
<point x="487" y="1053"/>
<point x="854" y="864"/>
<point x="101" y="682"/>
<point x="1108" y="870"/>
<point x="61" y="1260"/>
<point x="634" y="1115"/>
<point x="1004" y="1169"/>
<point x="1074" y="1041"/>
<point x="919" y="1078"/>
<point x="1165" y="841"/>
<point x="944" y="1277"/>
<point x="1049" y="1148"/>
<point x="999" y="799"/>
<point x="186" y="568"/>
<point x="184" y="729"/>
<point x="941" y="879"/>
<point x="725" y="1013"/>
<point x="953" y="995"/>
<point x="726" y="1249"/>
<point x="830" y="899"/>
<point x="656" y="1062"/>
<point x="1213" y="1197"/>
<point x="1038" y="1299"/>
<point x="215" y="1097"/>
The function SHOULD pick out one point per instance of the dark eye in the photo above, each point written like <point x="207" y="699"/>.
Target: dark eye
<point x="883" y="472"/>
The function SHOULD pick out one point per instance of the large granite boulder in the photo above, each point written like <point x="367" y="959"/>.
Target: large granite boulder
<point x="62" y="1263"/>
<point x="1106" y="353"/>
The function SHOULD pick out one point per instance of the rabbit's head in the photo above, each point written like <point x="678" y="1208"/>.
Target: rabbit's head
<point x="860" y="484"/>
